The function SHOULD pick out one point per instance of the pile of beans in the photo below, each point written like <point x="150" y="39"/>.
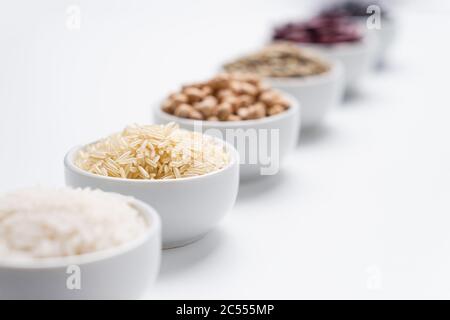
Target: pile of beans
<point x="321" y="30"/>
<point x="226" y="97"/>
<point x="280" y="60"/>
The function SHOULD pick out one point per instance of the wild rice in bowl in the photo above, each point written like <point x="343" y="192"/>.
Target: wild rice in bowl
<point x="280" y="60"/>
<point x="153" y="152"/>
<point x="38" y="223"/>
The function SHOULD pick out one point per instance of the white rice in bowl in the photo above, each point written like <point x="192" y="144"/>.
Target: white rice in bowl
<point x="38" y="223"/>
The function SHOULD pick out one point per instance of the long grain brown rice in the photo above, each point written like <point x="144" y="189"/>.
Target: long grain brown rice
<point x="153" y="152"/>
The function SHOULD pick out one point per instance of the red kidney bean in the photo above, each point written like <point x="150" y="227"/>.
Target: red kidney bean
<point x="322" y="30"/>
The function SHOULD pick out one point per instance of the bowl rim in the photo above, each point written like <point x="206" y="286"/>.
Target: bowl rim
<point x="336" y="68"/>
<point x="69" y="164"/>
<point x="154" y="229"/>
<point x="388" y="18"/>
<point x="336" y="71"/>
<point x="342" y="48"/>
<point x="243" y="124"/>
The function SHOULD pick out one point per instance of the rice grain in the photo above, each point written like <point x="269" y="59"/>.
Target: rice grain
<point x="153" y="152"/>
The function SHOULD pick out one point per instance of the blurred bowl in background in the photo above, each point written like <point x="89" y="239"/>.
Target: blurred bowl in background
<point x="356" y="58"/>
<point x="375" y="17"/>
<point x="263" y="144"/>
<point x="385" y="37"/>
<point x="317" y="93"/>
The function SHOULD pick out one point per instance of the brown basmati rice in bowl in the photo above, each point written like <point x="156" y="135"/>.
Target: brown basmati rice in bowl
<point x="153" y="152"/>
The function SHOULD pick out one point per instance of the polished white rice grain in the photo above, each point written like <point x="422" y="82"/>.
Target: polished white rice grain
<point x="42" y="223"/>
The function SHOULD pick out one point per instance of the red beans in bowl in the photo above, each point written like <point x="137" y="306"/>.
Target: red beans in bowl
<point x="325" y="30"/>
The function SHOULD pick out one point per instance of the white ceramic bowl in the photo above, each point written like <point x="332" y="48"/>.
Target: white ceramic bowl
<point x="188" y="207"/>
<point x="356" y="58"/>
<point x="249" y="137"/>
<point x="124" y="272"/>
<point x="381" y="39"/>
<point x="317" y="94"/>
<point x="385" y="37"/>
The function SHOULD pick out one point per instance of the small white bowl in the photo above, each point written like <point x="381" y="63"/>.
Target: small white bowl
<point x="124" y="272"/>
<point x="381" y="39"/>
<point x="188" y="207"/>
<point x="317" y="93"/>
<point x="237" y="133"/>
<point x="356" y="58"/>
<point x="385" y="38"/>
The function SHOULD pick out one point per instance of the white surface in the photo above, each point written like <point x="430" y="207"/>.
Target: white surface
<point x="361" y="209"/>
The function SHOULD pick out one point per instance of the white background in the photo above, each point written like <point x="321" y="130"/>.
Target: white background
<point x="360" y="210"/>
